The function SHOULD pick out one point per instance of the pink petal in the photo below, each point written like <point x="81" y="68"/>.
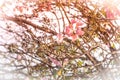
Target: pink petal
<point x="59" y="37"/>
<point x="79" y="32"/>
<point x="20" y="8"/>
<point x="73" y="21"/>
<point x="109" y="14"/>
<point x="55" y="61"/>
<point x="74" y="37"/>
<point x="79" y="24"/>
<point x="117" y="12"/>
<point x="68" y="30"/>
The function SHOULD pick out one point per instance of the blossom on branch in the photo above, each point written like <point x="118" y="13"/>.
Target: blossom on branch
<point x="59" y="37"/>
<point x="55" y="61"/>
<point x="111" y="9"/>
<point x="112" y="14"/>
<point x="74" y="30"/>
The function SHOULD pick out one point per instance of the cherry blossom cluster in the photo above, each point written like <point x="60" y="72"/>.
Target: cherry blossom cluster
<point x="112" y="14"/>
<point x="72" y="31"/>
<point x="44" y="6"/>
<point x="111" y="8"/>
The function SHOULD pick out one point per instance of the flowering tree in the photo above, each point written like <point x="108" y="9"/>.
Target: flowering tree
<point x="61" y="38"/>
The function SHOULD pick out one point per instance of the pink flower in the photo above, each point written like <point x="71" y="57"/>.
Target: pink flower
<point x="59" y="37"/>
<point x="79" y="31"/>
<point x="79" y="24"/>
<point x="112" y="13"/>
<point x="74" y="37"/>
<point x="69" y="30"/>
<point x="56" y="62"/>
<point x="73" y="21"/>
<point x="109" y="14"/>
<point x="117" y="12"/>
<point x="20" y="8"/>
<point x="74" y="31"/>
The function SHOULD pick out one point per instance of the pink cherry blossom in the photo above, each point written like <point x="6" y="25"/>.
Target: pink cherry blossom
<point x="55" y="61"/>
<point x="74" y="30"/>
<point x="79" y="24"/>
<point x="69" y="30"/>
<point x="73" y="21"/>
<point x="74" y="37"/>
<point x="44" y="78"/>
<point x="112" y="12"/>
<point x="79" y="31"/>
<point x="117" y="12"/>
<point x="59" y="37"/>
<point x="109" y="14"/>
